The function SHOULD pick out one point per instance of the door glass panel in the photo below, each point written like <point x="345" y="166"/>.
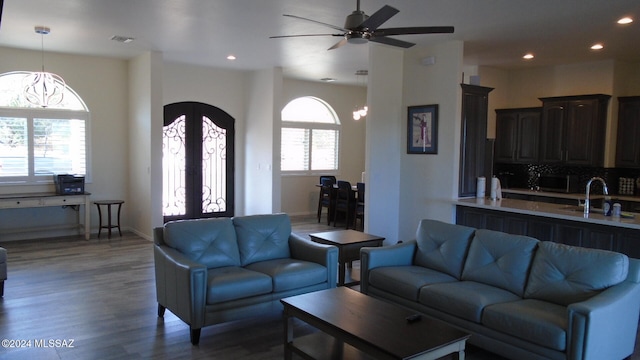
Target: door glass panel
<point x="214" y="165"/>
<point x="173" y="164"/>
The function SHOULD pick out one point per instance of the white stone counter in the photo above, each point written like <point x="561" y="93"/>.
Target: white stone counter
<point x="557" y="211"/>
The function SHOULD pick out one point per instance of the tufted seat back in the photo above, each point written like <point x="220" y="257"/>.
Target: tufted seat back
<point x="211" y="242"/>
<point x="565" y="275"/>
<point x="442" y="246"/>
<point x="262" y="237"/>
<point x="500" y="259"/>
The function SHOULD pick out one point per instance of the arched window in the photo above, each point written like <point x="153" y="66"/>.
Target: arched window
<point x="310" y="136"/>
<point x="36" y="143"/>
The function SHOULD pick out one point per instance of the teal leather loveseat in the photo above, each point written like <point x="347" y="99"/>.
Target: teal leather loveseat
<point x="519" y="297"/>
<point x="210" y="271"/>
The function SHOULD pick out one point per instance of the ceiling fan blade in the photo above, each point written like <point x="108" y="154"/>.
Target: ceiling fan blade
<point x="414" y="30"/>
<point x="378" y="18"/>
<point x="317" y="22"/>
<point x="301" y="35"/>
<point x="338" y="44"/>
<point x="392" y="42"/>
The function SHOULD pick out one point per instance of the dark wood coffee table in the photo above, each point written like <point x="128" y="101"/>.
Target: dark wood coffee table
<point x="356" y="326"/>
<point x="349" y="243"/>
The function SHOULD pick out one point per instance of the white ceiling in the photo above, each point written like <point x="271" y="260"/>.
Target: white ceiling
<point x="204" y="32"/>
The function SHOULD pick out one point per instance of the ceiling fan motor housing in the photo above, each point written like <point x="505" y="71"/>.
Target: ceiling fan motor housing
<point x="355" y="19"/>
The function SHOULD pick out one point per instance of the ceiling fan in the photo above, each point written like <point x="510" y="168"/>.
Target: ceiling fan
<point x="360" y="28"/>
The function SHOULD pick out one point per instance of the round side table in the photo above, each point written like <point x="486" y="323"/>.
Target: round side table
<point x="109" y="225"/>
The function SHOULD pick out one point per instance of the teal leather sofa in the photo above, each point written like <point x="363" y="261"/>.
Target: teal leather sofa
<point x="3" y="269"/>
<point x="519" y="297"/>
<point x="210" y="271"/>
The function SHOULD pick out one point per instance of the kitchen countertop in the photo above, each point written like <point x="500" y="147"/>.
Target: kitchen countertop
<point x="558" y="211"/>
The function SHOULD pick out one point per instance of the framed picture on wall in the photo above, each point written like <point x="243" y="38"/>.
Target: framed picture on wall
<point x="422" y="129"/>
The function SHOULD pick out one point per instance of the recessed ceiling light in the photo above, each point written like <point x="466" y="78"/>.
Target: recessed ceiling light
<point x="327" y="79"/>
<point x="231" y="57"/>
<point x="625" y="20"/>
<point x="597" y="47"/>
<point x="528" y="56"/>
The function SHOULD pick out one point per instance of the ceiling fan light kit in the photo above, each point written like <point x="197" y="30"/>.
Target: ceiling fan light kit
<point x="359" y="28"/>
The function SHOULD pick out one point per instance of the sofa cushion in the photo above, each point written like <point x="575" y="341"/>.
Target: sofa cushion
<point x="232" y="282"/>
<point x="536" y="321"/>
<point x="442" y="246"/>
<point x="262" y="237"/>
<point x="406" y="281"/>
<point x="499" y="259"/>
<point x="211" y="242"/>
<point x="464" y="299"/>
<point x="287" y="274"/>
<point x="565" y="274"/>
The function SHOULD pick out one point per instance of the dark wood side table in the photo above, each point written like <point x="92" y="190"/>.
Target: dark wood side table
<point x="109" y="226"/>
<point x="349" y="243"/>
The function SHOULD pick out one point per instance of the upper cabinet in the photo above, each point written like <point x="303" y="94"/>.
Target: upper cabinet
<point x="628" y="143"/>
<point x="572" y="129"/>
<point x="517" y="135"/>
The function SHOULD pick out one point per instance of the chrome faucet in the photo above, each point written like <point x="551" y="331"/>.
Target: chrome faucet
<point x="605" y="190"/>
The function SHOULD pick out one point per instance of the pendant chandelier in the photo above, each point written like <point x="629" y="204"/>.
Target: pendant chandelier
<point x="359" y="113"/>
<point x="42" y="88"/>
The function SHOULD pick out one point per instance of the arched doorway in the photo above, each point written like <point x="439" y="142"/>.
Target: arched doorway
<point x="198" y="161"/>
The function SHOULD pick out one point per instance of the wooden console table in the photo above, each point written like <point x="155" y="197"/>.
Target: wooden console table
<point x="18" y="201"/>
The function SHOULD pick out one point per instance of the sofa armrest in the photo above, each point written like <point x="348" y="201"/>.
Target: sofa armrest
<point x="181" y="285"/>
<point x="373" y="257"/>
<point x="325" y="255"/>
<point x="604" y="326"/>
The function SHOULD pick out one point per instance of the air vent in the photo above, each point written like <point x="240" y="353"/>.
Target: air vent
<point x="122" y="39"/>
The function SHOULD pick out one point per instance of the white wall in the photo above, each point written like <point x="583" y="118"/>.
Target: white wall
<point x="224" y="89"/>
<point x="342" y="99"/>
<point x="384" y="142"/>
<point x="126" y="119"/>
<point x="261" y="189"/>
<point x="429" y="182"/>
<point x="103" y="85"/>
<point x="145" y="143"/>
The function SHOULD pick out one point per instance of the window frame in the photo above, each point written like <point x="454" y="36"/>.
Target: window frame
<point x="313" y="125"/>
<point x="47" y="113"/>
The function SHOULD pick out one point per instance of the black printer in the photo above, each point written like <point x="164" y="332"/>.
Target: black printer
<point x="69" y="184"/>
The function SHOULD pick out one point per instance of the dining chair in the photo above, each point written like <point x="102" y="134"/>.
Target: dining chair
<point x="345" y="202"/>
<point x="359" y="209"/>
<point x="326" y="197"/>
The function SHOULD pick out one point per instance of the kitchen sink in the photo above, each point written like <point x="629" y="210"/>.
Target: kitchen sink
<point x="575" y="208"/>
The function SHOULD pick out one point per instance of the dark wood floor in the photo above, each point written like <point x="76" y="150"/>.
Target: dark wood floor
<point x="100" y="294"/>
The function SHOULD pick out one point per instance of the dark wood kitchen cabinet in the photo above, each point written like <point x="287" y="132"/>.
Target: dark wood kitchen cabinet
<point x="517" y="135"/>
<point x="572" y="129"/>
<point x="475" y="107"/>
<point x="576" y="233"/>
<point x="628" y="145"/>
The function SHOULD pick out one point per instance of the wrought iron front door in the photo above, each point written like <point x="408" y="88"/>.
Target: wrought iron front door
<point x="197" y="161"/>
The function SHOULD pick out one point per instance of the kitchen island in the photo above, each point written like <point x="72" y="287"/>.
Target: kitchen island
<point x="553" y="222"/>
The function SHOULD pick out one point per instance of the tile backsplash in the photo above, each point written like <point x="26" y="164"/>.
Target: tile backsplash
<point x="526" y="176"/>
